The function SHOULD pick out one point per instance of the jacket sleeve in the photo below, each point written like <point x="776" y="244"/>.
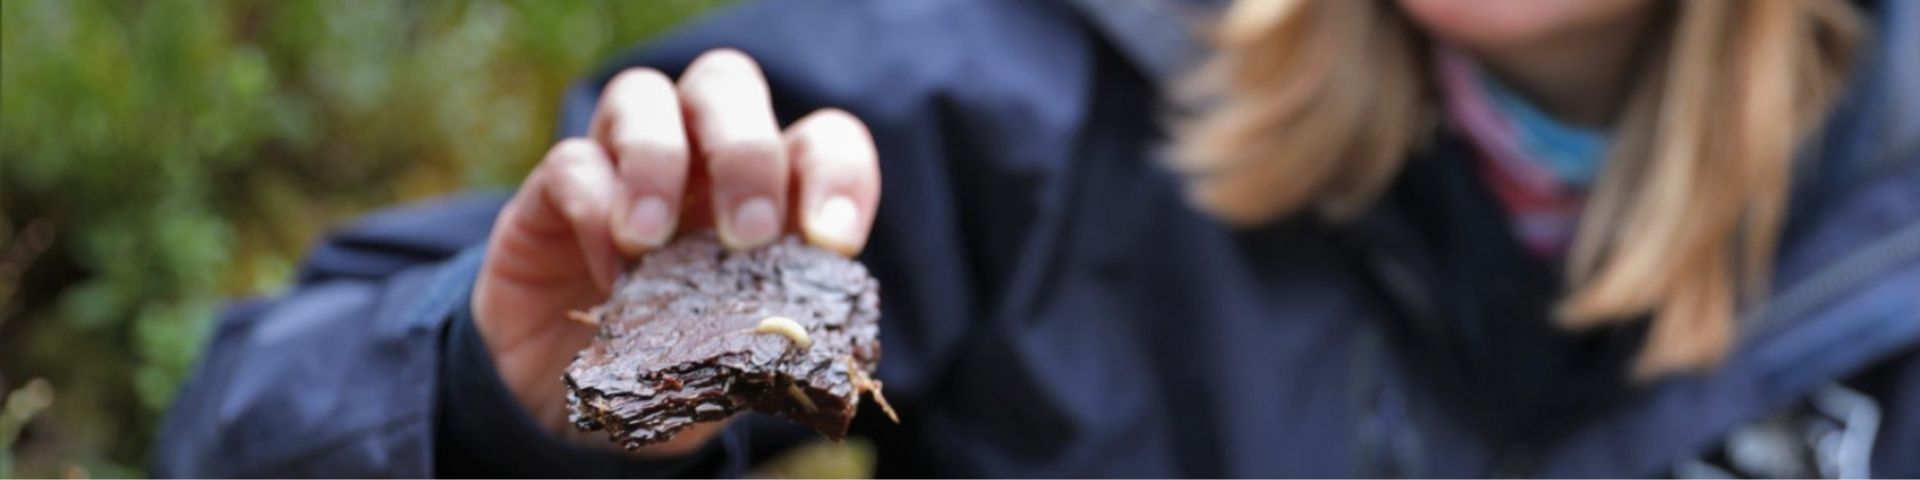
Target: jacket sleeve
<point x="335" y="378"/>
<point x="370" y="367"/>
<point x="338" y="375"/>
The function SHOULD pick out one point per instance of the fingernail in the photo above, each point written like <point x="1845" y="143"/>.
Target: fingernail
<point x="754" y="222"/>
<point x="649" y="223"/>
<point x="833" y="223"/>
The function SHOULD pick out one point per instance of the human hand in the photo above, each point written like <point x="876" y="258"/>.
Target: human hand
<point x="660" y="158"/>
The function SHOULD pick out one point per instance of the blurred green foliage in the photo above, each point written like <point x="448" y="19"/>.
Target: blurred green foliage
<point x="157" y="157"/>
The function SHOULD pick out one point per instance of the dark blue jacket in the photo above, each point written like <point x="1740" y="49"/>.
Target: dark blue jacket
<point x="1052" y="307"/>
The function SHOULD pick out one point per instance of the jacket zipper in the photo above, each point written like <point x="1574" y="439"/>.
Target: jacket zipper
<point x="1857" y="267"/>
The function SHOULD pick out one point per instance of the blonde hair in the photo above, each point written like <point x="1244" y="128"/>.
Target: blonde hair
<point x="1314" y="105"/>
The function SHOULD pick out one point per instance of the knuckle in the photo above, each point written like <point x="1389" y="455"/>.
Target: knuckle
<point x="574" y="209"/>
<point x="836" y="140"/>
<point x="640" y="77"/>
<point x="722" y="63"/>
<point x="635" y="82"/>
<point x="835" y="122"/>
<point x="572" y="151"/>
<point x="650" y="149"/>
<point x="747" y="150"/>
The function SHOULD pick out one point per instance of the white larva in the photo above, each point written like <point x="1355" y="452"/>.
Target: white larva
<point x="786" y="327"/>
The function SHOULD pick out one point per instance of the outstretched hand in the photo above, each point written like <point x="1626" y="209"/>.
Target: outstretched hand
<point x="660" y="158"/>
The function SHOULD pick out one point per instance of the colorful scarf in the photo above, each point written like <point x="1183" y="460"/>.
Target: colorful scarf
<point x="1539" y="168"/>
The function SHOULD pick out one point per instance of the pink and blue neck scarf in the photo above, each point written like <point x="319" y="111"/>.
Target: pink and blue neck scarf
<point x="1539" y="168"/>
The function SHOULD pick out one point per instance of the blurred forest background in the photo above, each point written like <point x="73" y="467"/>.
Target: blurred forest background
<point x="157" y="157"/>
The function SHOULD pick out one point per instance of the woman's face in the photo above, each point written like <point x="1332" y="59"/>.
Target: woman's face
<point x="1508" y="25"/>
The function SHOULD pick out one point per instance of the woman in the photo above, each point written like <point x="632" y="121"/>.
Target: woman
<point x="1410" y="237"/>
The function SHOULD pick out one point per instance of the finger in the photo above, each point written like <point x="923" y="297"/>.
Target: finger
<point x="638" y="121"/>
<point x="838" y="174"/>
<point x="574" y="189"/>
<point x="731" y="122"/>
